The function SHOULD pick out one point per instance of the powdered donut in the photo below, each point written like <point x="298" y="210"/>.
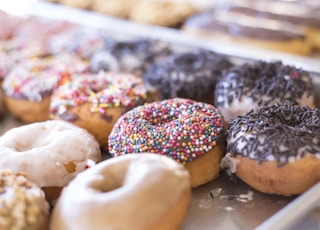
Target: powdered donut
<point x="144" y="191"/>
<point x="30" y="83"/>
<point x="22" y="203"/>
<point x="131" y="56"/>
<point x="275" y="149"/>
<point x="51" y="153"/>
<point x="190" y="132"/>
<point x="252" y="86"/>
<point x="190" y="75"/>
<point x="96" y="101"/>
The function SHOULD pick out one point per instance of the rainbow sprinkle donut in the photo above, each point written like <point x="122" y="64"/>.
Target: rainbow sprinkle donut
<point x="96" y="101"/>
<point x="182" y="129"/>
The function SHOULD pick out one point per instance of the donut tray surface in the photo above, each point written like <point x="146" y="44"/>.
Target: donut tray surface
<point x="222" y="203"/>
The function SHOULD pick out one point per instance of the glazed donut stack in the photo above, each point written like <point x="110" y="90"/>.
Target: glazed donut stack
<point x="169" y="120"/>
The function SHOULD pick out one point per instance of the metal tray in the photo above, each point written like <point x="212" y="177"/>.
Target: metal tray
<point x="220" y="204"/>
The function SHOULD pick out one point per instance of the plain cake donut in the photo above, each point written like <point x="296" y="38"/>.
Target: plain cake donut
<point x="254" y="85"/>
<point x="51" y="153"/>
<point x="22" y="203"/>
<point x="189" y="132"/>
<point x="275" y="149"/>
<point x="144" y="191"/>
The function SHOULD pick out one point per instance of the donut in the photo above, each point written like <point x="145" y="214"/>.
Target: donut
<point x="275" y="149"/>
<point x="254" y="85"/>
<point x="22" y="203"/>
<point x="96" y="101"/>
<point x="232" y="28"/>
<point x="157" y="12"/>
<point x="8" y="24"/>
<point x="30" y="83"/>
<point x="51" y="153"/>
<point x="189" y="132"/>
<point x="80" y="40"/>
<point x="303" y="15"/>
<point x="2" y="110"/>
<point x="82" y="4"/>
<point x="191" y="75"/>
<point x="116" y="8"/>
<point x="129" y="56"/>
<point x="144" y="191"/>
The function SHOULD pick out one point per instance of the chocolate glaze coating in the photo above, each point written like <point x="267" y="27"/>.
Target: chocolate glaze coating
<point x="129" y="56"/>
<point x="264" y="82"/>
<point x="280" y="130"/>
<point x="210" y="22"/>
<point x="188" y="75"/>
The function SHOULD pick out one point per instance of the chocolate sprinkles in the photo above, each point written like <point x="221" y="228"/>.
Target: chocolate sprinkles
<point x="265" y="82"/>
<point x="278" y="132"/>
<point x="190" y="75"/>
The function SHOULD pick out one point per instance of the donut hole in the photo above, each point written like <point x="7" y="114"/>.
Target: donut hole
<point x="107" y="183"/>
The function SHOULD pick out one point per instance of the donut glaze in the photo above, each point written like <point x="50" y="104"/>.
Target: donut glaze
<point x="252" y="86"/>
<point x="190" y="75"/>
<point x="144" y="191"/>
<point x="51" y="153"/>
<point x="281" y="144"/>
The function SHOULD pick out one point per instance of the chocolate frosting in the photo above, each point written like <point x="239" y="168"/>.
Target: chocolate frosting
<point x="278" y="130"/>
<point x="264" y="82"/>
<point x="210" y="22"/>
<point x="129" y="56"/>
<point x="189" y="75"/>
<point x="309" y="17"/>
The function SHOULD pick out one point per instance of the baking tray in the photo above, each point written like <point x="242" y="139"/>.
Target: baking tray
<point x="222" y="203"/>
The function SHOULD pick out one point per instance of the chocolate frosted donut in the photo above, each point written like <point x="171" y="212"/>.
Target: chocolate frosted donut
<point x="129" y="56"/>
<point x="276" y="149"/>
<point x="188" y="75"/>
<point x="252" y="86"/>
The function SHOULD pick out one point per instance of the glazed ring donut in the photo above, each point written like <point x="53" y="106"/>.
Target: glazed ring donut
<point x="23" y="204"/>
<point x="145" y="191"/>
<point x="51" y="153"/>
<point x="96" y="101"/>
<point x="30" y="83"/>
<point x="276" y="149"/>
<point x="252" y="86"/>
<point x="190" y="75"/>
<point x="190" y="132"/>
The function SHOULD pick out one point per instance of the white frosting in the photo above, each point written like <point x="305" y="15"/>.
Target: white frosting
<point x="46" y="151"/>
<point x="245" y="104"/>
<point x="127" y="192"/>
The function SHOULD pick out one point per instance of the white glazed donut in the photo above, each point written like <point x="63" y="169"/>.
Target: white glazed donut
<point x="51" y="153"/>
<point x="136" y="191"/>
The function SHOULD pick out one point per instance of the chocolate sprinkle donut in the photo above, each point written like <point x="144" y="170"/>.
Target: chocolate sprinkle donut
<point x="188" y="75"/>
<point x="132" y="56"/>
<point x="280" y="132"/>
<point x="266" y="83"/>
